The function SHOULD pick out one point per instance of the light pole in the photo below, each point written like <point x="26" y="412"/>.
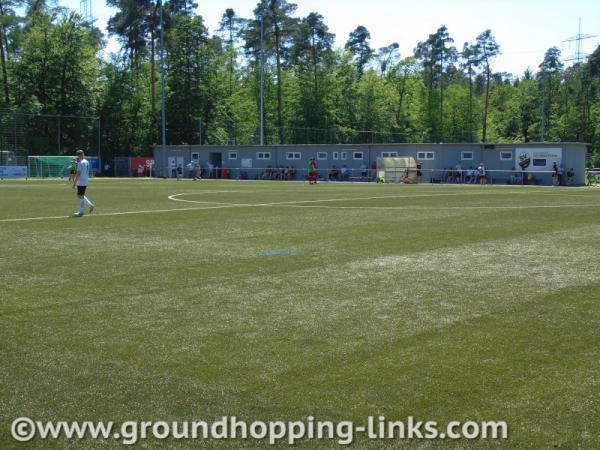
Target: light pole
<point x="162" y="80"/>
<point x="262" y="82"/>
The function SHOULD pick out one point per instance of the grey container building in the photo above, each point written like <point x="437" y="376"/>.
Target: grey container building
<point x="501" y="161"/>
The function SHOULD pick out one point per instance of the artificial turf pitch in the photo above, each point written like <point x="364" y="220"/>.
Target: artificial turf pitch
<point x="272" y="300"/>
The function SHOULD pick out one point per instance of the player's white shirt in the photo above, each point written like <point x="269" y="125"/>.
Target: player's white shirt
<point x="83" y="166"/>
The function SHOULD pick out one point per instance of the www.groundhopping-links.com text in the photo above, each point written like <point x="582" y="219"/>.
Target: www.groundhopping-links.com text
<point x="25" y="429"/>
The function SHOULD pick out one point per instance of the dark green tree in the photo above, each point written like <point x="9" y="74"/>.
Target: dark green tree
<point x="549" y="78"/>
<point x="190" y="65"/>
<point x="57" y="73"/>
<point x="406" y="81"/>
<point x="9" y="26"/>
<point x="488" y="49"/>
<point x="445" y="57"/>
<point x="130" y="25"/>
<point x="124" y="108"/>
<point x="231" y="29"/>
<point x="312" y="54"/>
<point x="279" y="29"/>
<point x="425" y="53"/>
<point x="358" y="45"/>
<point x="388" y="56"/>
<point x="345" y="118"/>
<point x="177" y="8"/>
<point x="470" y="61"/>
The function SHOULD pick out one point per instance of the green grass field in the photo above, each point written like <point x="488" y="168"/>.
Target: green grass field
<point x="178" y="301"/>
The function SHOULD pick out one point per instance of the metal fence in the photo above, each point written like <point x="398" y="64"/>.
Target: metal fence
<point x="12" y="166"/>
<point x="28" y="133"/>
<point x="18" y="167"/>
<point x="431" y="176"/>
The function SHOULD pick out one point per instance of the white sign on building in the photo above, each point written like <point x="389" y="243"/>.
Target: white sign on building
<point x="538" y="159"/>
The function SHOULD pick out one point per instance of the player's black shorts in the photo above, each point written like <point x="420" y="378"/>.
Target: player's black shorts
<point x="81" y="190"/>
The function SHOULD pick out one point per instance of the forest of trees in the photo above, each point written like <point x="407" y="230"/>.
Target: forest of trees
<point x="53" y="70"/>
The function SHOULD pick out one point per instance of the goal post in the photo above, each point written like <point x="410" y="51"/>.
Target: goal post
<point x="55" y="166"/>
<point x="49" y="166"/>
<point x="396" y="169"/>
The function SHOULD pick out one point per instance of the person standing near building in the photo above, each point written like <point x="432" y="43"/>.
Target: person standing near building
<point x="363" y="170"/>
<point x="561" y="175"/>
<point x="481" y="174"/>
<point x="570" y="175"/>
<point x="458" y="176"/>
<point x="555" y="179"/>
<point x="312" y="171"/>
<point x="81" y="181"/>
<point x="191" y="167"/>
<point x="344" y="173"/>
<point x="198" y="172"/>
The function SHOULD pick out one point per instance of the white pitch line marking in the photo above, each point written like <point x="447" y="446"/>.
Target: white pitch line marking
<point x="172" y="197"/>
<point x="296" y="202"/>
<point x="345" y="199"/>
<point x="122" y="213"/>
<point x="302" y="204"/>
<point x="425" y="208"/>
<point x="380" y="197"/>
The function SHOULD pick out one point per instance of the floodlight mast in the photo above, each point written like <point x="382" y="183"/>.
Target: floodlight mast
<point x="162" y="80"/>
<point x="262" y="81"/>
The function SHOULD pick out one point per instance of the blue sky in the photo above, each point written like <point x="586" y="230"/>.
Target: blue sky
<point x="525" y="29"/>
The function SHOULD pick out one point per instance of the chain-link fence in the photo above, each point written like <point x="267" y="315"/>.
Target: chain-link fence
<point x="429" y="176"/>
<point x="23" y="134"/>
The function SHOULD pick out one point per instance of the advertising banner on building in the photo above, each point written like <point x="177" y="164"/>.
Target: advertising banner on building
<point x="538" y="159"/>
<point x="13" y="171"/>
<point x="141" y="166"/>
<point x="94" y="163"/>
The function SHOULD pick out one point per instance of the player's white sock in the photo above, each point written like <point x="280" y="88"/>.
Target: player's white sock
<point x="87" y="201"/>
<point x="81" y="205"/>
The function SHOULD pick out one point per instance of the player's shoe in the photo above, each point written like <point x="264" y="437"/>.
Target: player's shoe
<point x="78" y="214"/>
<point x="92" y="207"/>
